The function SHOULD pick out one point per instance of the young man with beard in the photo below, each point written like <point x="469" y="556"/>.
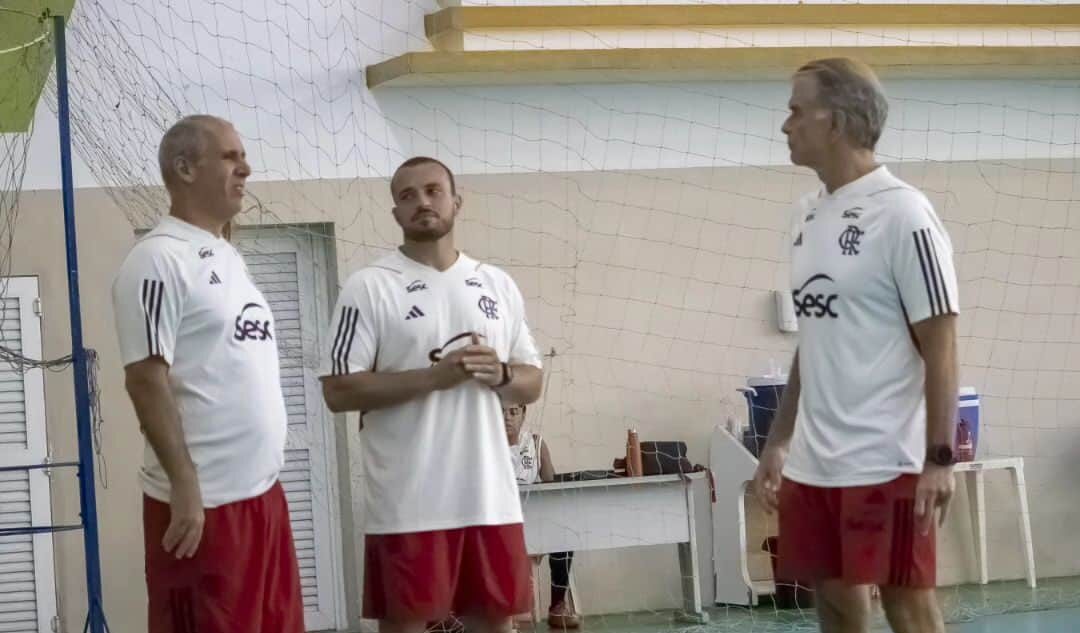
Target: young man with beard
<point x="427" y="344"/>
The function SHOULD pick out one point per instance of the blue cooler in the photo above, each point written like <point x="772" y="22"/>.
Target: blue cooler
<point x="763" y="394"/>
<point x="968" y="412"/>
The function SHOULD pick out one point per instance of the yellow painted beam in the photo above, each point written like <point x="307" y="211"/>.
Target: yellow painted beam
<point x="683" y="64"/>
<point x="530" y="17"/>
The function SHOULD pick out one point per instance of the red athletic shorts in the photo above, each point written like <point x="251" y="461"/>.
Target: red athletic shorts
<point x="860" y="535"/>
<point x="425" y="576"/>
<point x="243" y="578"/>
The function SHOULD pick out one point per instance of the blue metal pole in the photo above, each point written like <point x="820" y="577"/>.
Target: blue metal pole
<point x="95" y="622"/>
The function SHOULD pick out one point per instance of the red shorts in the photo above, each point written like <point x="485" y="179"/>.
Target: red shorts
<point x="426" y="576"/>
<point x="860" y="535"/>
<point x="243" y="578"/>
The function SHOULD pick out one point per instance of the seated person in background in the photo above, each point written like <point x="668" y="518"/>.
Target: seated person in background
<point x="532" y="463"/>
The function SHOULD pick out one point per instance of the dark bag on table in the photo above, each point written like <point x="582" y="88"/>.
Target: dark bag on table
<point x="669" y="458"/>
<point x="665" y="458"/>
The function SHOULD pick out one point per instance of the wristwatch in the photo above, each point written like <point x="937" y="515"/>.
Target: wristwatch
<point x="940" y="455"/>
<point x="508" y="376"/>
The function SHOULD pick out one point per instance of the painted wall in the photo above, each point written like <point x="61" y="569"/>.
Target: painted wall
<point x="653" y="289"/>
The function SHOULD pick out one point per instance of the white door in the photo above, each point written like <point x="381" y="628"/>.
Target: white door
<point x="290" y="267"/>
<point x="27" y="589"/>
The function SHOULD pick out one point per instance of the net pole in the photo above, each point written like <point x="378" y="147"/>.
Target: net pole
<point x="95" y="618"/>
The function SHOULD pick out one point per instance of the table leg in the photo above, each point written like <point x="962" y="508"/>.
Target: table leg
<point x="976" y="483"/>
<point x="1025" y="524"/>
<point x="536" y="590"/>
<point x="688" y="568"/>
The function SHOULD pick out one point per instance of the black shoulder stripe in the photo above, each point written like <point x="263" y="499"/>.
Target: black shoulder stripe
<point x="153" y="292"/>
<point x="931" y="275"/>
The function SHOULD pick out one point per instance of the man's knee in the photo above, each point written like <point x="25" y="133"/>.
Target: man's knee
<point x="842" y="608"/>
<point x="912" y="610"/>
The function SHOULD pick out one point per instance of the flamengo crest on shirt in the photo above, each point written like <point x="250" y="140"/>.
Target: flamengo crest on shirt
<point x="849" y="240"/>
<point x="489" y="307"/>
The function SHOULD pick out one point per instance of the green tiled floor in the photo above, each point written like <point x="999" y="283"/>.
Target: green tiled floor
<point x="1001" y="607"/>
<point x="1056" y="621"/>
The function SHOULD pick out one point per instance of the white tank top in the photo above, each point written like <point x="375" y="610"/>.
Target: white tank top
<point x="526" y="459"/>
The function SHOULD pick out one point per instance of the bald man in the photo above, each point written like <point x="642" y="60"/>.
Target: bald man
<point x="201" y="366"/>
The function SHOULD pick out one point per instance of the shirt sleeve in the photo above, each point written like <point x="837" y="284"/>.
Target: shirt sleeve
<point x="922" y="263"/>
<point x="148" y="296"/>
<point x="523" y="349"/>
<point x="353" y="331"/>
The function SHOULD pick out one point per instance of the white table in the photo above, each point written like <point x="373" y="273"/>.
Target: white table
<point x="975" y="472"/>
<point x="613" y="513"/>
<point x="733" y="466"/>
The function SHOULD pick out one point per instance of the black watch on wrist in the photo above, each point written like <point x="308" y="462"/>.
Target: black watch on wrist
<point x="940" y="455"/>
<point x="508" y="376"/>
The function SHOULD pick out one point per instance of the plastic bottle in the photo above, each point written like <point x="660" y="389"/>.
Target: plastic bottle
<point x="965" y="442"/>
<point x="633" y="454"/>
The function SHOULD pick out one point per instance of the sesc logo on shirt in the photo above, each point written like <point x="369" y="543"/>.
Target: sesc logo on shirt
<point x="253" y="324"/>
<point x="815" y="302"/>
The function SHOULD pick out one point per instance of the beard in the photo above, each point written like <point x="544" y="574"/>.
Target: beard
<point x="434" y="232"/>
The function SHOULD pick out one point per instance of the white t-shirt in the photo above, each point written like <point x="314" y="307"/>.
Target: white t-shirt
<point x="867" y="261"/>
<point x="439" y="461"/>
<point x="525" y="457"/>
<point x="185" y="295"/>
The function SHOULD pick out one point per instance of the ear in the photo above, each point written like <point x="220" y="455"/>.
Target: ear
<point x="458" y="201"/>
<point x="839" y="125"/>
<point x="185" y="171"/>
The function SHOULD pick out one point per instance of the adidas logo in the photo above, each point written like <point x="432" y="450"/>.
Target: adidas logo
<point x="415" y="313"/>
<point x="214" y="279"/>
<point x="798" y="240"/>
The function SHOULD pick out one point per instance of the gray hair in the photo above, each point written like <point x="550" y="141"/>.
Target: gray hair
<point x="852" y="91"/>
<point x="186" y="139"/>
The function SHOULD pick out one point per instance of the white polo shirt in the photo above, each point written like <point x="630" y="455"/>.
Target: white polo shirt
<point x="185" y="295"/>
<point x="867" y="261"/>
<point x="439" y="461"/>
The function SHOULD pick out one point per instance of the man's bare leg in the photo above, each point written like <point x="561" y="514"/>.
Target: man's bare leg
<point x="489" y="625"/>
<point x="912" y="610"/>
<point x="842" y="608"/>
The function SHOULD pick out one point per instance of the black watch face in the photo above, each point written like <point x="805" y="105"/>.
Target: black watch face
<point x="942" y="455"/>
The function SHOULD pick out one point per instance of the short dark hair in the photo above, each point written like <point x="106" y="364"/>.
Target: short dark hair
<point x="421" y="160"/>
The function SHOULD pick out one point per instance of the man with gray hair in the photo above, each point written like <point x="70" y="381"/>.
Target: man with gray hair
<point x="201" y="368"/>
<point x="859" y="457"/>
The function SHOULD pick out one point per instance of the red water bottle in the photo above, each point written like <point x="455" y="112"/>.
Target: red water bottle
<point x="965" y="442"/>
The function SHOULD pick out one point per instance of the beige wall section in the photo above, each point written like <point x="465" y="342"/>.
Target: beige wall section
<point x="653" y="289"/>
<point x="104" y="237"/>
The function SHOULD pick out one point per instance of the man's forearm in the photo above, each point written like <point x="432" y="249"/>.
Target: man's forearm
<point x="159" y="418"/>
<point x="941" y="393"/>
<point x="783" y="423"/>
<point x="371" y="391"/>
<point x="526" y="386"/>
